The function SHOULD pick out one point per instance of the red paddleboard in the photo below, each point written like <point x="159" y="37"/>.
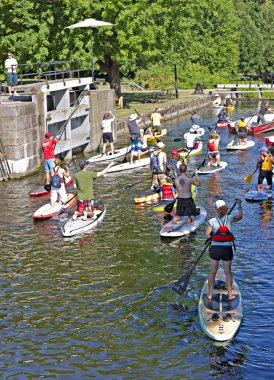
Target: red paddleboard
<point x="42" y="191"/>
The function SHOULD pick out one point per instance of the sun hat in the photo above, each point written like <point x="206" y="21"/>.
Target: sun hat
<point x="132" y="117"/>
<point x="220" y="203"/>
<point x="160" y="145"/>
<point x="83" y="163"/>
<point x="174" y="152"/>
<point x="47" y="134"/>
<point x="263" y="149"/>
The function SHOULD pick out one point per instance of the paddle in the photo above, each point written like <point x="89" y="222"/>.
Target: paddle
<point x="176" y="286"/>
<point x="141" y="117"/>
<point x="232" y="142"/>
<point x="98" y="147"/>
<point x="127" y="151"/>
<point x="64" y="208"/>
<point x="135" y="183"/>
<point x="248" y="178"/>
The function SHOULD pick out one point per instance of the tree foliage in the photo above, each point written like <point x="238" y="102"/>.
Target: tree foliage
<point x="204" y="37"/>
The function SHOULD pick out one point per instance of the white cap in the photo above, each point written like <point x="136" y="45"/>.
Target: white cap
<point x="227" y="96"/>
<point x="132" y="117"/>
<point x="160" y="145"/>
<point x="195" y="127"/>
<point x="142" y="131"/>
<point x="220" y="203"/>
<point x="217" y="95"/>
<point x="192" y="130"/>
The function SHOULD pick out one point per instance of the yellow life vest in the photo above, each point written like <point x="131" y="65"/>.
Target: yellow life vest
<point x="242" y="124"/>
<point x="267" y="164"/>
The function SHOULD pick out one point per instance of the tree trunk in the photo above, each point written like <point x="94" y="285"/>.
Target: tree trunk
<point x="112" y="69"/>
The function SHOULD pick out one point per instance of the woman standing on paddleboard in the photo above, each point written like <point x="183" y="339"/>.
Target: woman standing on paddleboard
<point x="219" y="231"/>
<point x="213" y="148"/>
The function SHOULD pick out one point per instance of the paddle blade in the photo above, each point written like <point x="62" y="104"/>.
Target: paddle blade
<point x="231" y="143"/>
<point x="248" y="178"/>
<point x="169" y="207"/>
<point x="177" y="139"/>
<point x="180" y="289"/>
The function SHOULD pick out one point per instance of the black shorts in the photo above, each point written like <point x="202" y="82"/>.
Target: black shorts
<point x="185" y="207"/>
<point x="267" y="174"/>
<point x="242" y="134"/>
<point x="218" y="253"/>
<point x="107" y="137"/>
<point x="213" y="155"/>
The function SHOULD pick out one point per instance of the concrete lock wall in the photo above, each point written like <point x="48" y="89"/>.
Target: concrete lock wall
<point x="20" y="136"/>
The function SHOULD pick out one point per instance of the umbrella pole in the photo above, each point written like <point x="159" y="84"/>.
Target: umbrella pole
<point x="91" y="45"/>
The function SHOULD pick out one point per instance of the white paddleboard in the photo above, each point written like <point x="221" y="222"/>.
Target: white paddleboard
<point x="48" y="210"/>
<point x="213" y="169"/>
<point x="236" y="146"/>
<point x="128" y="166"/>
<point x="220" y="318"/>
<point x="108" y="156"/>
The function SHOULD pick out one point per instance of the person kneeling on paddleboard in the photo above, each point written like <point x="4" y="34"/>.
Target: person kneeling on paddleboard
<point x="83" y="181"/>
<point x="57" y="182"/>
<point x="192" y="139"/>
<point x="213" y="148"/>
<point x="185" y="202"/>
<point x="265" y="164"/>
<point x="221" y="248"/>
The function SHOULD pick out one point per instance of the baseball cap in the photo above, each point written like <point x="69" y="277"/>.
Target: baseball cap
<point x="263" y="149"/>
<point x="160" y="145"/>
<point x="48" y="134"/>
<point x="132" y="117"/>
<point x="83" y="163"/>
<point x="220" y="203"/>
<point x="174" y="152"/>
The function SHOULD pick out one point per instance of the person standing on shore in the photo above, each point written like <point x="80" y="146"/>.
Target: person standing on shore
<point x="11" y="65"/>
<point x="106" y="125"/>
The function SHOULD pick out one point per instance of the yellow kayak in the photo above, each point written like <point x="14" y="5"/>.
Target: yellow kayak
<point x="186" y="152"/>
<point x="149" y="198"/>
<point x="154" y="139"/>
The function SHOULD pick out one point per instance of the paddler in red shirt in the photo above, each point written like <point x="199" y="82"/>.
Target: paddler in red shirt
<point x="48" y="150"/>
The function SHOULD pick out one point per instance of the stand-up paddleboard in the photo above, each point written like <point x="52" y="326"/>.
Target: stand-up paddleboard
<point x="148" y="198"/>
<point x="79" y="226"/>
<point x="42" y="191"/>
<point x="160" y="207"/>
<point x="108" y="156"/>
<point x="258" y="196"/>
<point x="232" y="146"/>
<point x="220" y="318"/>
<point x="128" y="166"/>
<point x="179" y="229"/>
<point x="48" y="210"/>
<point x="212" y="169"/>
<point x="191" y="152"/>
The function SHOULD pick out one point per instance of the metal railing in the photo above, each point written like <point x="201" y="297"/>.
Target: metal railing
<point x="46" y="71"/>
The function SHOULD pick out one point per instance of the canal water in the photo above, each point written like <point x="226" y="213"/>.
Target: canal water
<point x="100" y="305"/>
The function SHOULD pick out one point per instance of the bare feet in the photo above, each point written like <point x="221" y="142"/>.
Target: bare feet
<point x="231" y="298"/>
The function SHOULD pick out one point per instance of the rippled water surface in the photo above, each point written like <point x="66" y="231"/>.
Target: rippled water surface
<point x="100" y="305"/>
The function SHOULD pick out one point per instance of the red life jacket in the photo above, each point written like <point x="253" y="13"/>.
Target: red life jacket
<point x="222" y="234"/>
<point x="211" y="146"/>
<point x="167" y="191"/>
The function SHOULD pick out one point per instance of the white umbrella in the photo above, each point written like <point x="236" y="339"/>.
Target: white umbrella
<point x="89" y="23"/>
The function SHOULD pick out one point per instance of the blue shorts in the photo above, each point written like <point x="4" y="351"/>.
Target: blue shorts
<point x="12" y="79"/>
<point x="49" y="164"/>
<point x="136" y="145"/>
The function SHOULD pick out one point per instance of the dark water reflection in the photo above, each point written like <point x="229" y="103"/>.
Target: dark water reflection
<point x="100" y="305"/>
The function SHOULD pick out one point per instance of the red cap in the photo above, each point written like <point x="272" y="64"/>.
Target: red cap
<point x="174" y="152"/>
<point x="48" y="134"/>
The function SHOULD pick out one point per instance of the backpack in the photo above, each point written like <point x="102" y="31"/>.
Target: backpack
<point x="155" y="163"/>
<point x="56" y="180"/>
<point x="171" y="171"/>
<point x="222" y="234"/>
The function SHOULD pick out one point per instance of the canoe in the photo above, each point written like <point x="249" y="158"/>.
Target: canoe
<point x="42" y="191"/>
<point x="185" y="152"/>
<point x="79" y="226"/>
<point x="252" y="121"/>
<point x="128" y="166"/>
<point x="212" y="169"/>
<point x="148" y="198"/>
<point x="108" y="156"/>
<point x="220" y="319"/>
<point x="48" y="210"/>
<point x="269" y="141"/>
<point x="232" y="146"/>
<point x="200" y="132"/>
<point x="258" y="196"/>
<point x="179" y="229"/>
<point x="263" y="128"/>
<point x="160" y="207"/>
<point x="154" y="139"/>
<point x="222" y="124"/>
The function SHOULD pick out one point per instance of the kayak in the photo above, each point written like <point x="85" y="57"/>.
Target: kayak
<point x="48" y="210"/>
<point x="108" y="156"/>
<point x="232" y="146"/>
<point x="42" y="191"/>
<point x="258" y="196"/>
<point x="79" y="226"/>
<point x="200" y="132"/>
<point x="148" y="198"/>
<point x="128" y="166"/>
<point x="160" y="207"/>
<point x="185" y="152"/>
<point x="220" y="318"/>
<point x="154" y="139"/>
<point x="212" y="169"/>
<point x="179" y="229"/>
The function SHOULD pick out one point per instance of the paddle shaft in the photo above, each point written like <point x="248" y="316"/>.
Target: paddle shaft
<point x="136" y="183"/>
<point x="98" y="147"/>
<point x="146" y="126"/>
